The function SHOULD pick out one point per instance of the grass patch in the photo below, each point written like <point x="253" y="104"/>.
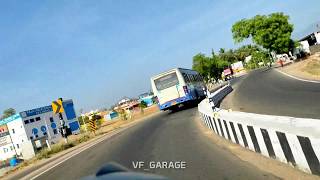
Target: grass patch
<point x="313" y="67"/>
<point x="46" y="153"/>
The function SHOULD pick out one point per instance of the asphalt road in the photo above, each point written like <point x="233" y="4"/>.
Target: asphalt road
<point x="165" y="137"/>
<point x="266" y="91"/>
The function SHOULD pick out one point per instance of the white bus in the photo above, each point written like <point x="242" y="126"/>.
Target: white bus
<point x="177" y="86"/>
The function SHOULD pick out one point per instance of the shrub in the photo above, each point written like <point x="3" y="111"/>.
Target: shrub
<point x="46" y="153"/>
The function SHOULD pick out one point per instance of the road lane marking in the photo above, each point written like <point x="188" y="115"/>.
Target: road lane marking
<point x="305" y="80"/>
<point x="55" y="165"/>
<point x="81" y="150"/>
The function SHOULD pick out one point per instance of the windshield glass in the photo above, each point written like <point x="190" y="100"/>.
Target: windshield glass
<point x="166" y="81"/>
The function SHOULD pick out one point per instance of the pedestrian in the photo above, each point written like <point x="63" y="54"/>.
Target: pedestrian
<point x="281" y="62"/>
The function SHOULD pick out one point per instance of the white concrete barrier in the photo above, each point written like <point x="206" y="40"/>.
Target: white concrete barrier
<point x="287" y="139"/>
<point x="216" y="96"/>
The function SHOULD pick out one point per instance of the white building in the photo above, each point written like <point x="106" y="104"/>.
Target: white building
<point x="310" y="40"/>
<point x="25" y="133"/>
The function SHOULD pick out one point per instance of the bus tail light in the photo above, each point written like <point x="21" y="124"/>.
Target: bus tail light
<point x="157" y="99"/>
<point x="185" y="88"/>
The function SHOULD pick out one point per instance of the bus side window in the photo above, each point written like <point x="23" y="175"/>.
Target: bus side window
<point x="188" y="76"/>
<point x="191" y="78"/>
<point x="201" y="78"/>
<point x="185" y="76"/>
<point x="197" y="77"/>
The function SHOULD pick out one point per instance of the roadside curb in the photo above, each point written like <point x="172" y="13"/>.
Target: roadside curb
<point x="294" y="77"/>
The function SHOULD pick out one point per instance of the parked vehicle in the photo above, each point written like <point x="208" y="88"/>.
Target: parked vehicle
<point x="177" y="86"/>
<point x="227" y="74"/>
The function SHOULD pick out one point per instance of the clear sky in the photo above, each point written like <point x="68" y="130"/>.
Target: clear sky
<point x="95" y="52"/>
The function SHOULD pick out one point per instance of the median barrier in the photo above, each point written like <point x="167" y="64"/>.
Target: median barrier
<point x="290" y="140"/>
<point x="215" y="86"/>
<point x="215" y="97"/>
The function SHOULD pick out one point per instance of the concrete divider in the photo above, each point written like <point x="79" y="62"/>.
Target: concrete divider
<point x="216" y="96"/>
<point x="287" y="139"/>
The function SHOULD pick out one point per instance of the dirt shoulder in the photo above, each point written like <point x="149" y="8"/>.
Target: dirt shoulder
<point x="281" y="170"/>
<point x="106" y="129"/>
<point x="308" y="69"/>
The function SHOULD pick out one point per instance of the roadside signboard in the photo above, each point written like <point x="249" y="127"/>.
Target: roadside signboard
<point x="4" y="140"/>
<point x="57" y="106"/>
<point x="9" y="119"/>
<point x="4" y="135"/>
<point x="237" y="67"/>
<point x="36" y="111"/>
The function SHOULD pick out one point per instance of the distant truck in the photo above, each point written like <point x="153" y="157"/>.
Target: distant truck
<point x="237" y="67"/>
<point x="227" y="74"/>
<point x="233" y="69"/>
<point x="177" y="86"/>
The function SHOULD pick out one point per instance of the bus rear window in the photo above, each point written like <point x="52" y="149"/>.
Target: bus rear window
<point x="166" y="81"/>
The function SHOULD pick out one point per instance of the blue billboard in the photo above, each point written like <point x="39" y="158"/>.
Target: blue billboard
<point x="69" y="109"/>
<point x="9" y="119"/>
<point x="36" y="111"/>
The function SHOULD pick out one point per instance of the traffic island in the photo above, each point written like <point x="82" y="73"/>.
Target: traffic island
<point x="307" y="69"/>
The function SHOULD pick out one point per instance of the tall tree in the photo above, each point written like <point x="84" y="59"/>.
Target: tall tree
<point x="8" y="112"/>
<point x="245" y="51"/>
<point x="272" y="32"/>
<point x="209" y="67"/>
<point x="222" y="50"/>
<point x="201" y="63"/>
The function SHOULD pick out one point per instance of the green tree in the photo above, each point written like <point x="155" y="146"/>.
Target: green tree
<point x="83" y="119"/>
<point x="8" y="112"/>
<point x="257" y="57"/>
<point x="228" y="56"/>
<point x="142" y="105"/>
<point x="222" y="50"/>
<point x="201" y="64"/>
<point x="122" y="114"/>
<point x="244" y="51"/>
<point x="209" y="67"/>
<point x="272" y="32"/>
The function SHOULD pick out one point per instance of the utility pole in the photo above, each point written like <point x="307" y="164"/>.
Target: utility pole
<point x="82" y="117"/>
<point x="84" y="123"/>
<point x="49" y="135"/>
<point x="63" y="128"/>
<point x="57" y="107"/>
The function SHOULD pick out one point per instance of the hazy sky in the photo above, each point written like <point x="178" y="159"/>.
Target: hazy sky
<point x="95" y="52"/>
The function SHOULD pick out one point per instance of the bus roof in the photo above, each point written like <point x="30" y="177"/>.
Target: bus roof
<point x="168" y="71"/>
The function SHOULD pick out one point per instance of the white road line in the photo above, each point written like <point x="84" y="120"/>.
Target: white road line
<point x="55" y="165"/>
<point x="305" y="80"/>
<point x="82" y="149"/>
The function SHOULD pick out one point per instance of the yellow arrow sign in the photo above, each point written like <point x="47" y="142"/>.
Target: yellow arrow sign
<point x="57" y="106"/>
